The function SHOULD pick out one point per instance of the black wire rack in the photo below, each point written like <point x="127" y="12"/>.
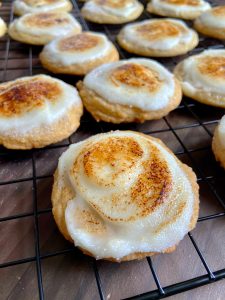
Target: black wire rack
<point x="21" y="60"/>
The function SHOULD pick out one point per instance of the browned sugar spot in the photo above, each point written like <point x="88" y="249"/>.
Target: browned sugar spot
<point x="23" y="97"/>
<point x="213" y="66"/>
<point x="135" y="75"/>
<point x="78" y="42"/>
<point x="113" y="3"/>
<point x="183" y="2"/>
<point x="153" y="185"/>
<point x="219" y="11"/>
<point x="46" y="20"/>
<point x="88" y="221"/>
<point x="37" y="3"/>
<point x="114" y="155"/>
<point x="172" y="213"/>
<point x="159" y="30"/>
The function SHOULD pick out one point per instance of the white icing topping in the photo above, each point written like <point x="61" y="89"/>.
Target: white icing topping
<point x="179" y="9"/>
<point x="98" y="80"/>
<point x="54" y="30"/>
<point x="46" y="114"/>
<point x="93" y="7"/>
<point x="119" y="238"/>
<point x="211" y="20"/>
<point x="3" y="27"/>
<point x="221" y="131"/>
<point x="162" y="43"/>
<point x="36" y="7"/>
<point x="66" y="58"/>
<point x="195" y="80"/>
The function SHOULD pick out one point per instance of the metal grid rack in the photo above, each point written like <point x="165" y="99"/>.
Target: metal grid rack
<point x="13" y="66"/>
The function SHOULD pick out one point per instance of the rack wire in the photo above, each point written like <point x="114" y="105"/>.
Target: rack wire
<point x="20" y="60"/>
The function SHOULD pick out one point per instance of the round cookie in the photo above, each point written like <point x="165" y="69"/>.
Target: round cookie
<point x="41" y="28"/>
<point x="3" y="27"/>
<point x="218" y="144"/>
<point x="111" y="11"/>
<point x="37" y="111"/>
<point x="22" y="7"/>
<point x="124" y="195"/>
<point x="212" y="22"/>
<point x="202" y="77"/>
<point x="184" y="9"/>
<point x="131" y="90"/>
<point x="78" y="54"/>
<point x="158" y="37"/>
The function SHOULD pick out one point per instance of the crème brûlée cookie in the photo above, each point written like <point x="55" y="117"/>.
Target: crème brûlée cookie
<point x="124" y="195"/>
<point x="131" y="90"/>
<point x="218" y="144"/>
<point x="112" y="11"/>
<point x="37" y="111"/>
<point x="3" y="27"/>
<point x="202" y="77"/>
<point x="78" y="54"/>
<point x="184" y="9"/>
<point x="212" y="22"/>
<point x="22" y="7"/>
<point x="158" y="37"/>
<point x="41" y="28"/>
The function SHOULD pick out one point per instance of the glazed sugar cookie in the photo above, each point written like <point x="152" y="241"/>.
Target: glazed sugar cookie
<point x="78" y="54"/>
<point x="41" y="28"/>
<point x="158" y="37"/>
<point x="184" y="9"/>
<point x="3" y="27"/>
<point x="112" y="11"/>
<point x="22" y="7"/>
<point x="212" y="22"/>
<point x="124" y="195"/>
<point x="203" y="77"/>
<point x="37" y="111"/>
<point x="218" y="144"/>
<point x="131" y="90"/>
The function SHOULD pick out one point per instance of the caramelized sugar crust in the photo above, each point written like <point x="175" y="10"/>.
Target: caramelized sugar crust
<point x="21" y="97"/>
<point x="159" y="30"/>
<point x="212" y="66"/>
<point x="135" y="75"/>
<point x="36" y="3"/>
<point x="114" y="3"/>
<point x="105" y="162"/>
<point x="183" y="2"/>
<point x="46" y="20"/>
<point x="219" y="11"/>
<point x="78" y="42"/>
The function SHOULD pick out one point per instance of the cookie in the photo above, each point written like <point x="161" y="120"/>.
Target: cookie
<point x="124" y="195"/>
<point x="78" y="54"/>
<point x="131" y="90"/>
<point x="3" y="27"/>
<point x="218" y="144"/>
<point x="41" y="28"/>
<point x="111" y="11"/>
<point x="158" y="37"/>
<point x="212" y="23"/>
<point x="37" y="111"/>
<point x="184" y="9"/>
<point x="22" y="7"/>
<point x="202" y="77"/>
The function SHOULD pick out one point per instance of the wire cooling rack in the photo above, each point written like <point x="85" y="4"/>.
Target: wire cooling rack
<point x="37" y="263"/>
